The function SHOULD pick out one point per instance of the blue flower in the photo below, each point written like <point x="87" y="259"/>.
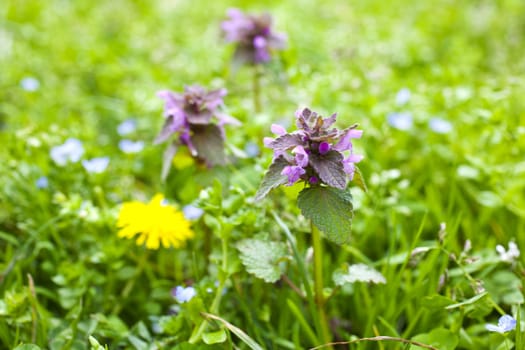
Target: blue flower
<point x="96" y="165"/>
<point x="127" y="127"/>
<point x="506" y="323"/>
<point x="441" y="126"/>
<point x="183" y="295"/>
<point x="192" y="212"/>
<point x="42" y="182"/>
<point x="29" y="84"/>
<point x="70" y="151"/>
<point x="401" y="120"/>
<point x="403" y="97"/>
<point x="128" y="146"/>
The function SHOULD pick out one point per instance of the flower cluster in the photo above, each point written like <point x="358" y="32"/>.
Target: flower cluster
<point x="155" y="223"/>
<point x="253" y="35"/>
<point x="196" y="121"/>
<point x="316" y="153"/>
<point x="72" y="151"/>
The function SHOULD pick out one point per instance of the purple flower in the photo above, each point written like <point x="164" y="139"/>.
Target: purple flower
<point x="42" y="182"/>
<point x="440" y="126"/>
<point x="401" y="121"/>
<point x="195" y="120"/>
<point x="253" y="36"/>
<point x="128" y="146"/>
<point x="96" y="165"/>
<point x="127" y="127"/>
<point x="316" y="153"/>
<point x="70" y="151"/>
<point x="506" y="324"/>
<point x="182" y="294"/>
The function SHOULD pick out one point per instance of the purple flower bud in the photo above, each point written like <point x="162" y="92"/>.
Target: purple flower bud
<point x="324" y="147"/>
<point x="313" y="180"/>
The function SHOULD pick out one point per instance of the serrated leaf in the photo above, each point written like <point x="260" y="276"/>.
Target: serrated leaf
<point x="330" y="168"/>
<point x="359" y="180"/>
<point x="209" y="143"/>
<point x="262" y="258"/>
<point x="272" y="178"/>
<point x="330" y="209"/>
<point x="214" y="337"/>
<point x="285" y="142"/>
<point x="357" y="273"/>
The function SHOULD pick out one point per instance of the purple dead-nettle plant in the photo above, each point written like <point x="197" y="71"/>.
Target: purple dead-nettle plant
<point x="253" y="35"/>
<point x="194" y="119"/>
<point x="316" y="153"/>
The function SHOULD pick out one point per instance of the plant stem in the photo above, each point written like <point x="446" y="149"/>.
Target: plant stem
<point x="318" y="282"/>
<point x="214" y="308"/>
<point x="256" y="89"/>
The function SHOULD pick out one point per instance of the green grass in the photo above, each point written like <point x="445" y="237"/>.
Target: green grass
<point x="66" y="276"/>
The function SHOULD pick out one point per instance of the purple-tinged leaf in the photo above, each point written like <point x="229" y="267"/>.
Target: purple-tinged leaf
<point x="209" y="144"/>
<point x="330" y="209"/>
<point x="166" y="132"/>
<point x="286" y="141"/>
<point x="330" y="168"/>
<point x="273" y="178"/>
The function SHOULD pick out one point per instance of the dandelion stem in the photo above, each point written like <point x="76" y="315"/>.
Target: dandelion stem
<point x="318" y="282"/>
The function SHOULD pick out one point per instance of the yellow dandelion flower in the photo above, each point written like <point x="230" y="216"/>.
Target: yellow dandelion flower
<point x="154" y="223"/>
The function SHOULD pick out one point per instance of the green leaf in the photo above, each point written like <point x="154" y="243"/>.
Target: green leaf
<point x="436" y="301"/>
<point x="330" y="209"/>
<point x="357" y="273"/>
<point x="252" y="344"/>
<point x="359" y="180"/>
<point x="330" y="168"/>
<point x="470" y="301"/>
<point x="272" y="178"/>
<point x="263" y="258"/>
<point x="214" y="337"/>
<point x="209" y="143"/>
<point x="440" y="338"/>
<point x="27" y="347"/>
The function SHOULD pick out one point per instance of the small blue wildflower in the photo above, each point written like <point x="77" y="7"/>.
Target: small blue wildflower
<point x="42" y="182"/>
<point x="128" y="146"/>
<point x="192" y="212"/>
<point x="252" y="149"/>
<point x="70" y="151"/>
<point x="96" y="165"/>
<point x="401" y="120"/>
<point x="183" y="295"/>
<point x="30" y="84"/>
<point x="127" y="127"/>
<point x="403" y="97"/>
<point x="440" y="126"/>
<point x="506" y="324"/>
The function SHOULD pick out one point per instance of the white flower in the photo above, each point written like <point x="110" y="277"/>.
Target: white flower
<point x="70" y="151"/>
<point x="96" y="165"/>
<point x="508" y="255"/>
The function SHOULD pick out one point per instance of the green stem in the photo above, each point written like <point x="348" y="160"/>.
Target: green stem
<point x="214" y="308"/>
<point x="256" y="89"/>
<point x="128" y="288"/>
<point x="317" y="244"/>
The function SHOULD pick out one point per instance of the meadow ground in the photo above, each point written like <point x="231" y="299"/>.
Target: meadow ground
<point x="433" y="256"/>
